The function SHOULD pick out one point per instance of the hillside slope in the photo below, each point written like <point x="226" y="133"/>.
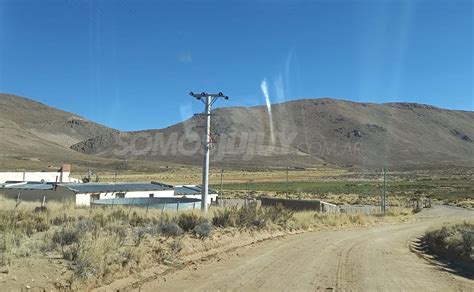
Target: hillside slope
<point x="308" y="132"/>
<point x="30" y="130"/>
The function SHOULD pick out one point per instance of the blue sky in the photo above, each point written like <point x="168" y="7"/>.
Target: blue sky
<point x="130" y="64"/>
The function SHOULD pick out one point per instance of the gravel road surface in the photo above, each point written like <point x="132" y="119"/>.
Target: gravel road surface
<point x="368" y="259"/>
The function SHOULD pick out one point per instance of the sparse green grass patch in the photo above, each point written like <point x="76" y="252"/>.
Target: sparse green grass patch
<point x="443" y="189"/>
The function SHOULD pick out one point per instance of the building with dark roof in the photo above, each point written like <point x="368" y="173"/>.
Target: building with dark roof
<point x="85" y="194"/>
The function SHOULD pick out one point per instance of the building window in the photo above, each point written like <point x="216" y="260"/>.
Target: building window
<point x="152" y="195"/>
<point x="120" y="195"/>
<point x="95" y="197"/>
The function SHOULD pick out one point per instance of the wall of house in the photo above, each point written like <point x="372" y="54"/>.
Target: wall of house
<point x="146" y="194"/>
<point x="85" y="199"/>
<point x="53" y="176"/>
<point x="60" y="194"/>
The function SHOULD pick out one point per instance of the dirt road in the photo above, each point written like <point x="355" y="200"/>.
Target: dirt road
<point x="371" y="259"/>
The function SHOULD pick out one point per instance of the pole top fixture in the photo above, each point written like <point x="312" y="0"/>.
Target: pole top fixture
<point x="204" y="94"/>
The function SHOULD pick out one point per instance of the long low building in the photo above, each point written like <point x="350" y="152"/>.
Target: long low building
<point x="86" y="194"/>
<point x="63" y="175"/>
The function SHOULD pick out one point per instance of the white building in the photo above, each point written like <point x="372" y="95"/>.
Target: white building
<point x="86" y="194"/>
<point x="60" y="176"/>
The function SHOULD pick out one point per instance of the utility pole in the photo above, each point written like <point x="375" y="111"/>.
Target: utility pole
<point x="208" y="99"/>
<point x="384" y="206"/>
<point x="287" y="182"/>
<point x="222" y="174"/>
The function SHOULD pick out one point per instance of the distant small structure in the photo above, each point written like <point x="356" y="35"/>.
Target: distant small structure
<point x="418" y="203"/>
<point x="60" y="176"/>
<point x="301" y="205"/>
<point x="236" y="202"/>
<point x="195" y="192"/>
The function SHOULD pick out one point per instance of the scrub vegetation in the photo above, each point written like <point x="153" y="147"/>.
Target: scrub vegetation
<point x="366" y="189"/>
<point x="453" y="186"/>
<point x="96" y="245"/>
<point x="441" y="189"/>
<point x="453" y="244"/>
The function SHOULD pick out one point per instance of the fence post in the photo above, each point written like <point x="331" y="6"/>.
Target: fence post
<point x="148" y="205"/>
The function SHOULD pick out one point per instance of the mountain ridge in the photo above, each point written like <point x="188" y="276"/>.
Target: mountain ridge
<point x="36" y="134"/>
<point x="390" y="134"/>
<point x="306" y="132"/>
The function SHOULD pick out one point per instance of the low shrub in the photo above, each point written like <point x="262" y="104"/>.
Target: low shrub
<point x="142" y="231"/>
<point x="41" y="209"/>
<point x="64" y="237"/>
<point x="225" y="218"/>
<point x="41" y="224"/>
<point x="62" y="219"/>
<point x="100" y="219"/>
<point x="118" y="229"/>
<point x="176" y="245"/>
<point x="188" y="221"/>
<point x="20" y="221"/>
<point x="252" y="216"/>
<point x="118" y="215"/>
<point x="5" y="248"/>
<point x="162" y="219"/>
<point x="203" y="230"/>
<point x="278" y="215"/>
<point x="171" y="230"/>
<point x="164" y="256"/>
<point x="138" y="220"/>
<point x="132" y="256"/>
<point x="97" y="257"/>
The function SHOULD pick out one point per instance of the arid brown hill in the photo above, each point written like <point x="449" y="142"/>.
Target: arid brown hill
<point x="308" y="132"/>
<point x="32" y="131"/>
<point x="302" y="133"/>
